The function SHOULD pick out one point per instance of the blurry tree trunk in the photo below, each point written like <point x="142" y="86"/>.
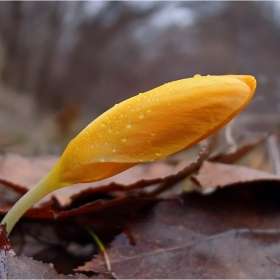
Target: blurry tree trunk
<point x="13" y="69"/>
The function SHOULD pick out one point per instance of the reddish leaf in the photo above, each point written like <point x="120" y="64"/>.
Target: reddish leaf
<point x="135" y="178"/>
<point x="212" y="175"/>
<point x="22" y="173"/>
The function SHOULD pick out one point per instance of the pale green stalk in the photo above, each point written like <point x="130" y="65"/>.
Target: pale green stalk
<point x="48" y="184"/>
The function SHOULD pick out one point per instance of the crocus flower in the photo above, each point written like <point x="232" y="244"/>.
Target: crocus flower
<point x="144" y="128"/>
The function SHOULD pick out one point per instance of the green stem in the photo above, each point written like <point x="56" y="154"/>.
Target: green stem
<point x="44" y="187"/>
<point x="101" y="247"/>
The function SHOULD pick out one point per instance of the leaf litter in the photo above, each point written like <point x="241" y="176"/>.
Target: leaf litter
<point x="157" y="232"/>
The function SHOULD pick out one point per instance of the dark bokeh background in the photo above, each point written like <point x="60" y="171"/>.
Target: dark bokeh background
<point x="77" y="59"/>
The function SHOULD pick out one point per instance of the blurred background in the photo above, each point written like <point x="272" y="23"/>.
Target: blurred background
<point x="64" y="63"/>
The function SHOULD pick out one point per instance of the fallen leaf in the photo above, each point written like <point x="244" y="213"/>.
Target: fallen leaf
<point x="234" y="153"/>
<point x="212" y="175"/>
<point x="67" y="201"/>
<point x="228" y="234"/>
<point x="21" y="174"/>
<point x="21" y="267"/>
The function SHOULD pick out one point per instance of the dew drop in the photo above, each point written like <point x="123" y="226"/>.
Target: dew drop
<point x="197" y="76"/>
<point x="153" y="133"/>
<point x="149" y="110"/>
<point x="158" y="153"/>
<point x="103" y="123"/>
<point x="141" y="116"/>
<point x="129" y="124"/>
<point x="124" y="139"/>
<point x="100" y="133"/>
<point x="75" y="150"/>
<point x="110" y="128"/>
<point x="141" y="160"/>
<point x="152" y="159"/>
<point x="74" y="164"/>
<point x="114" y="150"/>
<point x="102" y="159"/>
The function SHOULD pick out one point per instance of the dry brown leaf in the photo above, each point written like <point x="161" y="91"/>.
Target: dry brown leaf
<point x="235" y="153"/>
<point x="62" y="201"/>
<point x="21" y="267"/>
<point x="22" y="173"/>
<point x="212" y="175"/>
<point x="229" y="234"/>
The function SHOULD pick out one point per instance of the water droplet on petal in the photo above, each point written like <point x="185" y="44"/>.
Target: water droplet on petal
<point x="129" y="124"/>
<point x="197" y="76"/>
<point x="74" y="164"/>
<point x="110" y="128"/>
<point x="102" y="159"/>
<point x="114" y="150"/>
<point x="158" y="153"/>
<point x="152" y="159"/>
<point x="124" y="139"/>
<point x="149" y="110"/>
<point x="153" y="133"/>
<point x="141" y="116"/>
<point x="141" y="160"/>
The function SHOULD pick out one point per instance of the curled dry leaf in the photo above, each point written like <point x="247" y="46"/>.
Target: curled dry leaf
<point x="159" y="174"/>
<point x="21" y="173"/>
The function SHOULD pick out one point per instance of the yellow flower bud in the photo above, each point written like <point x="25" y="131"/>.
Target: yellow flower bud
<point x="144" y="128"/>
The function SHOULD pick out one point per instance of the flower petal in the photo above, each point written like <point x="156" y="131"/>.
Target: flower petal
<point x="155" y="124"/>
